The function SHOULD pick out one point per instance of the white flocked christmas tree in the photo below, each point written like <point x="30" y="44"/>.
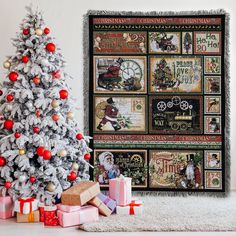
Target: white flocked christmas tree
<point x="42" y="151"/>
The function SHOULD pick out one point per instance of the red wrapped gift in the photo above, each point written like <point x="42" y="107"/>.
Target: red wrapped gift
<point x="50" y="216"/>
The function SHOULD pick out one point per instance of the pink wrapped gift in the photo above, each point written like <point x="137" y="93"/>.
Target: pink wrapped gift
<point x="134" y="208"/>
<point x="85" y="215"/>
<point x="6" y="207"/>
<point x="67" y="208"/>
<point x="120" y="190"/>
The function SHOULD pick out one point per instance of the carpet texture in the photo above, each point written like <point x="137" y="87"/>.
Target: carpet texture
<point x="174" y="214"/>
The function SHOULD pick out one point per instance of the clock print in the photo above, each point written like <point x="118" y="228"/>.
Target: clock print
<point x="130" y="69"/>
<point x="120" y="74"/>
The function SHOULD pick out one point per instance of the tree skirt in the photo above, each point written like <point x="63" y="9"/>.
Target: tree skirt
<point x="158" y="101"/>
<point x="174" y="214"/>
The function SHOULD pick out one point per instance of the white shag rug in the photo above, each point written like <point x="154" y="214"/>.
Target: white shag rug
<point x="174" y="214"/>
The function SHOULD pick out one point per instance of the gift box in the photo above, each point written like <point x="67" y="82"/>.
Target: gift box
<point x="6" y="207"/>
<point x="80" y="193"/>
<point x="85" y="214"/>
<point x="120" y="190"/>
<point x="102" y="208"/>
<point x="26" y="205"/>
<point x="110" y="203"/>
<point x="67" y="208"/>
<point x="41" y="211"/>
<point x="27" y="218"/>
<point x="134" y="208"/>
<point x="50" y="216"/>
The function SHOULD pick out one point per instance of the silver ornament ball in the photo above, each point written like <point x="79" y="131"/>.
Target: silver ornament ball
<point x="8" y="107"/>
<point x="39" y="32"/>
<point x="75" y="166"/>
<point x="54" y="103"/>
<point x="22" y="178"/>
<point x="7" y="64"/>
<point x="44" y="62"/>
<point x="70" y="115"/>
<point x="51" y="187"/>
<point x="62" y="153"/>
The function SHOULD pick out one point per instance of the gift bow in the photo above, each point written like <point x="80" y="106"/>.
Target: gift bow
<point x="23" y="201"/>
<point x="132" y="205"/>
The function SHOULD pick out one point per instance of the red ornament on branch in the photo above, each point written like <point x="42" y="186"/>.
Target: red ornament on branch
<point x="36" y="80"/>
<point x="79" y="136"/>
<point x="25" y="59"/>
<point x="40" y="150"/>
<point x="37" y="113"/>
<point x="36" y="130"/>
<point x="7" y="184"/>
<point x="8" y="124"/>
<point x="2" y="161"/>
<point x="56" y="74"/>
<point x="46" y="30"/>
<point x="17" y="134"/>
<point x="63" y="94"/>
<point x="55" y="117"/>
<point x="13" y="76"/>
<point x="10" y="97"/>
<point x="47" y="155"/>
<point x="32" y="179"/>
<point x="25" y="31"/>
<point x="72" y="176"/>
<point x="51" y="47"/>
<point x="1" y="92"/>
<point x="87" y="156"/>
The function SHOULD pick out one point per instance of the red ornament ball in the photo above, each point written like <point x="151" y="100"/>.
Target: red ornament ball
<point x="32" y="179"/>
<point x="87" y="156"/>
<point x="37" y="113"/>
<point x="17" y="134"/>
<point x="13" y="76"/>
<point x="46" y="30"/>
<point x="79" y="136"/>
<point x="2" y="161"/>
<point x="25" y="59"/>
<point x="10" y="97"/>
<point x="55" y="117"/>
<point x="7" y="184"/>
<point x="51" y="47"/>
<point x="40" y="150"/>
<point x="36" y="130"/>
<point x="72" y="176"/>
<point x="63" y="94"/>
<point x="1" y="92"/>
<point x="47" y="155"/>
<point x="56" y="74"/>
<point x="8" y="124"/>
<point x="36" y="80"/>
<point x="25" y="31"/>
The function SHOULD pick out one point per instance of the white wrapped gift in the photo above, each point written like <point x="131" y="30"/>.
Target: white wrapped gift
<point x="26" y="205"/>
<point x="134" y="208"/>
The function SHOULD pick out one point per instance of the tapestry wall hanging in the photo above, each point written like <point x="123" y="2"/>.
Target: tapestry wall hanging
<point x="158" y="102"/>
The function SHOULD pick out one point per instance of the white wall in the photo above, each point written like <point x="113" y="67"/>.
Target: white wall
<point x="64" y="17"/>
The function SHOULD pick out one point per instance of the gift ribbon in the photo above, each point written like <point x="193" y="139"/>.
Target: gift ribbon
<point x="23" y="201"/>
<point x="132" y="205"/>
<point x="31" y="217"/>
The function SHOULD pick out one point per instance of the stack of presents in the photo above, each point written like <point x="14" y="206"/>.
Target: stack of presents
<point x="82" y="203"/>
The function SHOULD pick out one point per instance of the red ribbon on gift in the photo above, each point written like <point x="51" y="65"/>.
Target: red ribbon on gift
<point x="132" y="205"/>
<point x="23" y="201"/>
